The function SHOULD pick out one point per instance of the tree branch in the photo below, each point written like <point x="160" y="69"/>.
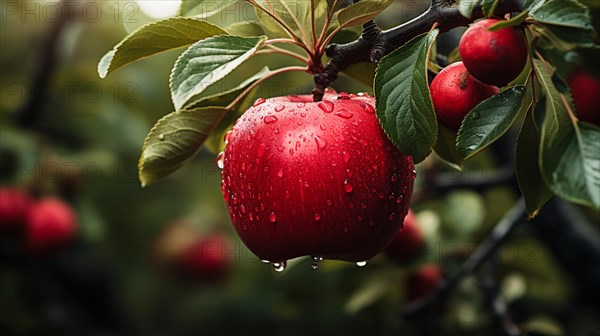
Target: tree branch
<point x="481" y="254"/>
<point x="372" y="48"/>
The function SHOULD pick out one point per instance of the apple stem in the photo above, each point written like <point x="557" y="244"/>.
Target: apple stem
<point x="372" y="50"/>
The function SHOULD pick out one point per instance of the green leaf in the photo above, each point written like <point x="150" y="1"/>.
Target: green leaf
<point x="489" y="6"/>
<point x="466" y="7"/>
<point x="246" y="29"/>
<point x="569" y="152"/>
<point x="215" y="141"/>
<point x="532" y="4"/>
<point x="514" y="21"/>
<point x="445" y="149"/>
<point x="404" y="106"/>
<point x="361" y="12"/>
<point x="208" y="61"/>
<point x="564" y="38"/>
<point x="203" y="8"/>
<point x="533" y="187"/>
<point x="488" y="121"/>
<point x="295" y="14"/>
<point x="154" y="38"/>
<point x="175" y="140"/>
<point x="567" y="13"/>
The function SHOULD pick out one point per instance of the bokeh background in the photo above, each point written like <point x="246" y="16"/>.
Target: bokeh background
<point x="69" y="134"/>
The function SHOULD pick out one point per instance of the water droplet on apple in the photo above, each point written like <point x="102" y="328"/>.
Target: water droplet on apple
<point x="303" y="114"/>
<point x="280" y="173"/>
<point x="346" y="156"/>
<point x="221" y="160"/>
<point x="227" y="137"/>
<point x="317" y="217"/>
<point x="348" y="188"/>
<point x="279" y="108"/>
<point x="321" y="143"/>
<point x="344" y="114"/>
<point x="279" y="266"/>
<point x="259" y="101"/>
<point x="270" y="119"/>
<point x="413" y="174"/>
<point x="329" y="202"/>
<point x="242" y="208"/>
<point x="326" y="106"/>
<point x="363" y="205"/>
<point x="343" y="96"/>
<point x="361" y="263"/>
<point x="368" y="108"/>
<point x="272" y="217"/>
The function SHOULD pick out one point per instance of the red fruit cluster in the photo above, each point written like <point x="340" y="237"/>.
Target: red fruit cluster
<point x="48" y="223"/>
<point x="585" y="88"/>
<point x="489" y="59"/>
<point x="493" y="57"/>
<point x="455" y="92"/>
<point x="423" y="282"/>
<point x="408" y="241"/>
<point x="315" y="178"/>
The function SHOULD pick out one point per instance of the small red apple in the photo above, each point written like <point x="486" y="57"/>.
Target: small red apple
<point x="408" y="242"/>
<point x="423" y="282"/>
<point x="493" y="57"/>
<point x="50" y="223"/>
<point x="585" y="88"/>
<point x="315" y="178"/>
<point x="455" y="92"/>
<point x="14" y="204"/>
<point x="207" y="258"/>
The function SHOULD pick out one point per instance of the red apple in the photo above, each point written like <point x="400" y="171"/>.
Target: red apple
<point x="207" y="258"/>
<point x="315" y="178"/>
<point x="585" y="88"/>
<point x="408" y="241"/>
<point x="50" y="223"/>
<point x="493" y="57"/>
<point x="455" y="92"/>
<point x="14" y="204"/>
<point x="423" y="282"/>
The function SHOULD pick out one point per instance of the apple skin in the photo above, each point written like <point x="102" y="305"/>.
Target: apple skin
<point x="320" y="179"/>
<point x="423" y="282"/>
<point x="408" y="241"/>
<point x="207" y="258"/>
<point x="50" y="223"/>
<point x="495" y="58"/>
<point x="586" y="95"/>
<point x="455" y="92"/>
<point x="14" y="204"/>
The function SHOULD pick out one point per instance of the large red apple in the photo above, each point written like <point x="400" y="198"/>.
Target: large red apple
<point x="408" y="241"/>
<point x="315" y="178"/>
<point x="493" y="57"/>
<point x="14" y="204"/>
<point x="585" y="88"/>
<point x="50" y="223"/>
